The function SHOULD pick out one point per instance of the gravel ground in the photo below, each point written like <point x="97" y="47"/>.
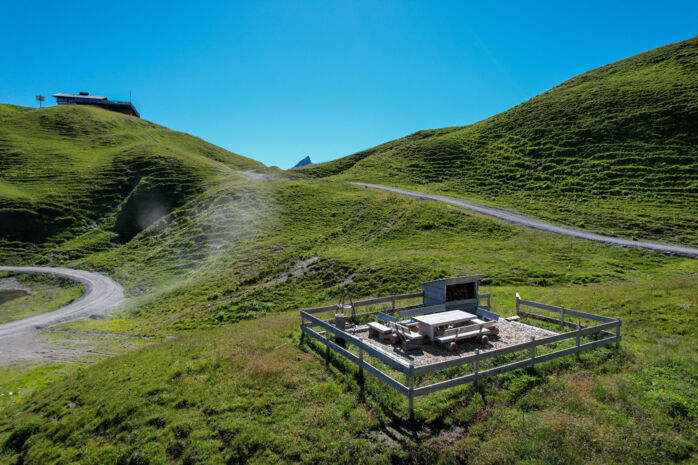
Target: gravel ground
<point x="510" y="333"/>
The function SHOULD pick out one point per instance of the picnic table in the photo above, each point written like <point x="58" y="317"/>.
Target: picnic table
<point x="429" y="324"/>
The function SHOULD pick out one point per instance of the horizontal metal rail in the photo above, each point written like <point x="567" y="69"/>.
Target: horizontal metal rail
<point x="399" y="387"/>
<point x="566" y="311"/>
<point x="420" y="391"/>
<point x="321" y="309"/>
<point x="379" y="354"/>
<point x="438" y="308"/>
<point x="364" y="303"/>
<point x="380" y="300"/>
<point x="547" y="319"/>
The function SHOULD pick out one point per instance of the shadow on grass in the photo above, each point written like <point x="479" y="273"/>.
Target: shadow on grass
<point x="397" y="426"/>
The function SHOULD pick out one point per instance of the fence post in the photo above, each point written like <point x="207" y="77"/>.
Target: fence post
<point x="393" y="300"/>
<point x="410" y="396"/>
<point x="518" y="303"/>
<point x="362" y="380"/>
<point x="578" y="328"/>
<point x="302" y="332"/>
<point x="361" y="363"/>
<point x="618" y="335"/>
<point x="562" y="316"/>
<point x="533" y="350"/>
<point x="477" y="352"/>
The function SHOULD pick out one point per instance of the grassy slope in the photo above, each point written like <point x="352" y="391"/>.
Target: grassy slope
<point x="247" y="391"/>
<point x="68" y="170"/>
<point x="613" y="150"/>
<point x="219" y="253"/>
<point x="237" y="392"/>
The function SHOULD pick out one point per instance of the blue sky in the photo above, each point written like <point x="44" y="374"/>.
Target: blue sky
<point x="279" y="80"/>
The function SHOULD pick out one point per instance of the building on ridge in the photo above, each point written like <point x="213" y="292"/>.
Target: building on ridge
<point x="84" y="98"/>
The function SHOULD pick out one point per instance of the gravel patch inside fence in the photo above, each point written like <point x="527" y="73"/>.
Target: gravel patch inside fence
<point x="510" y="333"/>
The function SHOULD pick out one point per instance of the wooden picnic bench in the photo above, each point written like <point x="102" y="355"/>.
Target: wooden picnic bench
<point x="409" y="339"/>
<point x="396" y="331"/>
<point x="478" y="330"/>
<point x="377" y="329"/>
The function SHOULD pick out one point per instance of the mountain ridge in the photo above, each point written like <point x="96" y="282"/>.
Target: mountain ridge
<point x="69" y="169"/>
<point x="304" y="162"/>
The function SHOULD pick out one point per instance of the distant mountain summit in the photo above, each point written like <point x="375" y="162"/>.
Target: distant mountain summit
<point x="304" y="162"/>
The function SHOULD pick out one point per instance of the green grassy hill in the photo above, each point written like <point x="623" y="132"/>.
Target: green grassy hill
<point x="67" y="169"/>
<point x="614" y="149"/>
<point x="216" y="274"/>
<point x="226" y="390"/>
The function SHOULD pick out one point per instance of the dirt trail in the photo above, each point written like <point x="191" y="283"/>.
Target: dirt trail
<point x="510" y="217"/>
<point x="536" y="224"/>
<point x="101" y="295"/>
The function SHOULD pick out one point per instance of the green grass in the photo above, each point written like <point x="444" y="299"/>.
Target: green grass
<point x="43" y="301"/>
<point x="612" y="150"/>
<point x="220" y="272"/>
<point x="250" y="391"/>
<point x="215" y="260"/>
<point x="72" y="350"/>
<point x="70" y="170"/>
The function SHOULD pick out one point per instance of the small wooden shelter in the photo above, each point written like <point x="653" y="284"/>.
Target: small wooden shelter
<point x="460" y="292"/>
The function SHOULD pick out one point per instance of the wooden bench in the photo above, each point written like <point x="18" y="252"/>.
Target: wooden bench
<point x="377" y="329"/>
<point x="409" y="339"/>
<point x="479" y="329"/>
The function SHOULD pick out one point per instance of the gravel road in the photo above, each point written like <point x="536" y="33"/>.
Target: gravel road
<point x="514" y="218"/>
<point x="101" y="295"/>
<point x="532" y="223"/>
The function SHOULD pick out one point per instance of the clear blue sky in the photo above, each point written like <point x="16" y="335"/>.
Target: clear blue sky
<point x="278" y="80"/>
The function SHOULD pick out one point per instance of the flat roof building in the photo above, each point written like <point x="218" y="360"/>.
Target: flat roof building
<point x="84" y="98"/>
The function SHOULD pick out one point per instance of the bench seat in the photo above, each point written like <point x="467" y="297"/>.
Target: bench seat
<point x="478" y="329"/>
<point x="377" y="329"/>
<point x="455" y="337"/>
<point x="410" y="340"/>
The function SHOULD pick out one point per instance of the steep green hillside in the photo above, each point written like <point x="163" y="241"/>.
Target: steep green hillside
<point x="252" y="392"/>
<point x="237" y="385"/>
<point x="231" y="253"/>
<point x="216" y="266"/>
<point x="65" y="170"/>
<point x="614" y="149"/>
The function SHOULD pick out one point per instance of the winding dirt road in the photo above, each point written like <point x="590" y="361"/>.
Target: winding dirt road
<point x="101" y="295"/>
<point x="513" y="218"/>
<point x="532" y="223"/>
